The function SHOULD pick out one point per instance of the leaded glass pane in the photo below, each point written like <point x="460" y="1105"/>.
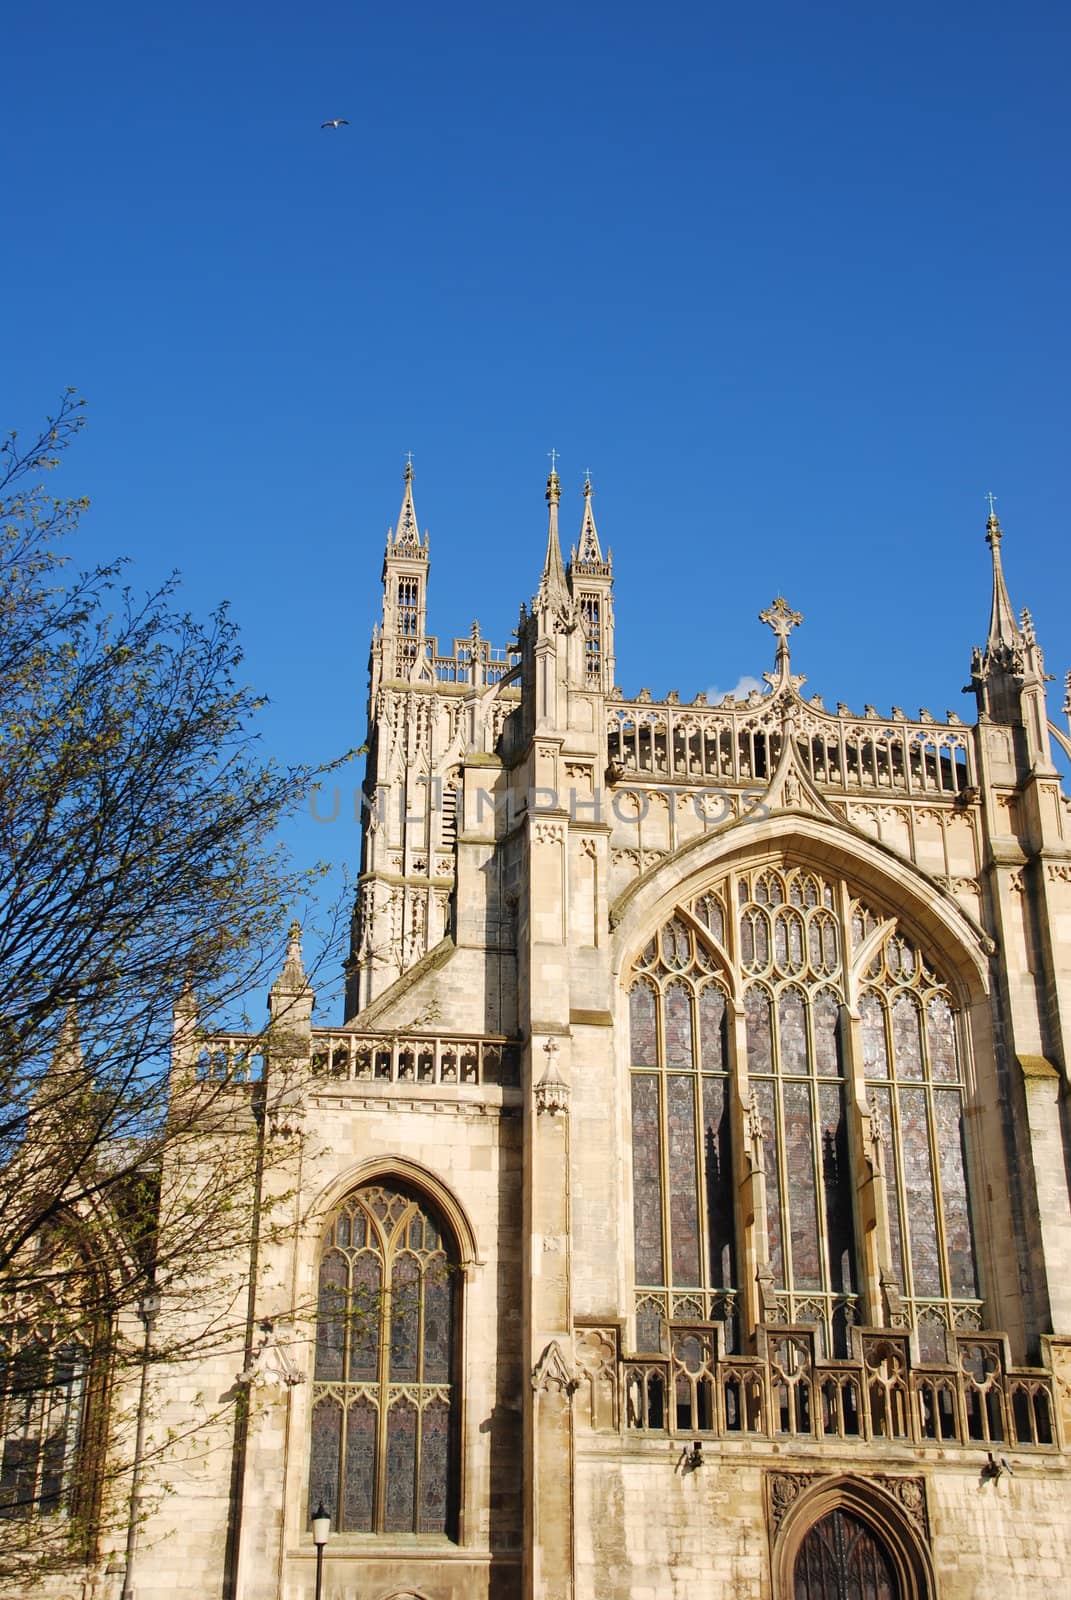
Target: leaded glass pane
<point x="324" y="1448"/>
<point x="683" y="1198"/>
<point x="712" y="1028"/>
<point x="792" y="1032"/>
<point x="438" y="1322"/>
<point x="907" y="1041"/>
<point x="836" y="1181"/>
<point x="918" y="1177"/>
<point x="365" y="1309"/>
<point x="875" y="1053"/>
<point x="359" y="1480"/>
<point x="802" y="1199"/>
<point x="434" y="1464"/>
<point x="331" y="1316"/>
<point x="647" y="1179"/>
<point x="759" y="1041"/>
<point x="717" y="1153"/>
<point x="880" y="1100"/>
<point x="405" y="1318"/>
<point x="643" y="1025"/>
<point x="678" y="1025"/>
<point x="763" y="1093"/>
<point x="963" y="1278"/>
<point x="941" y="1039"/>
<point x="826" y="1014"/>
<point x="401" y="1467"/>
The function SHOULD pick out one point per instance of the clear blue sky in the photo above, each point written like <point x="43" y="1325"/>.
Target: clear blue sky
<point x="791" y="280"/>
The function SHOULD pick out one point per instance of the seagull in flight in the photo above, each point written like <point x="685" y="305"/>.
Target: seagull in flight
<point x="335" y="122"/>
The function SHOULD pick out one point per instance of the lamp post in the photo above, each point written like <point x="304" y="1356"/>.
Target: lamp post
<point x="321" y="1529"/>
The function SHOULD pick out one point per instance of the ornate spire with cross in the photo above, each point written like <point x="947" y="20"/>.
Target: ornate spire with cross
<point x="589" y="554"/>
<point x="407" y="535"/>
<point x="553" y="588"/>
<point x="782" y="619"/>
<point x="1003" y="631"/>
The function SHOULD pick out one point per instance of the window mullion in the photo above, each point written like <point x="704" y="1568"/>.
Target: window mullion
<point x="663" y="1147"/>
<point x="379" y="1495"/>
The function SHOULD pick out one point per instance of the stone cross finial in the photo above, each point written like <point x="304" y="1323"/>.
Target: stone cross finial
<point x="781" y="618"/>
<point x="991" y="497"/>
<point x="553" y="455"/>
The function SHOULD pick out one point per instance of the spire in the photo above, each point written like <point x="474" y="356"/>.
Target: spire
<point x="588" y="558"/>
<point x="552" y="585"/>
<point x="1003" y="632"/>
<point x="406" y="540"/>
<point x="292" y="979"/>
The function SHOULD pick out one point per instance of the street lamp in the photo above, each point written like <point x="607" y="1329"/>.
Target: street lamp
<point x="321" y="1529"/>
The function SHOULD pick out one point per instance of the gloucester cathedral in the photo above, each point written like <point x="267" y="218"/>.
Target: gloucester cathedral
<point x="681" y="1207"/>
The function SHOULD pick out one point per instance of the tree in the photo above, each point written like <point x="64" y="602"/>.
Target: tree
<point x="137" y="866"/>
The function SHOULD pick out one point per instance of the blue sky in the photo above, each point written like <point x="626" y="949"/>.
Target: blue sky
<point x="790" y="280"/>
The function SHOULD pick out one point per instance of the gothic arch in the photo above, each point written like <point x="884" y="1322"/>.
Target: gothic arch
<point x="422" y="1179"/>
<point x="896" y="1516"/>
<point x="931" y="913"/>
<point x="385" y="1403"/>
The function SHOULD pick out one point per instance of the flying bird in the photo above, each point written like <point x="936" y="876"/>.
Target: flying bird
<point x="335" y="122"/>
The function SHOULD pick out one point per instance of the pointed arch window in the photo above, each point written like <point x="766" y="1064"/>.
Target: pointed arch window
<point x="916" y="1092"/>
<point x="47" y="1345"/>
<point x="385" y="1384"/>
<point x="684" y="1238"/>
<point x="790" y="944"/>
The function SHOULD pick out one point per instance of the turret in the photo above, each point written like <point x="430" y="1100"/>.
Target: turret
<point x="591" y="583"/>
<point x="405" y="592"/>
<point x="1008" y="674"/>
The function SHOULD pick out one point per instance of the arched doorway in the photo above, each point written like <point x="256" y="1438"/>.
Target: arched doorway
<point x="839" y="1537"/>
<point x="840" y="1558"/>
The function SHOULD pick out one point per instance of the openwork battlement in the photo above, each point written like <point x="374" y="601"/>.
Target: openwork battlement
<point x="471" y="661"/>
<point x="974" y="1398"/>
<point x="372" y="1057"/>
<point x="742" y="742"/>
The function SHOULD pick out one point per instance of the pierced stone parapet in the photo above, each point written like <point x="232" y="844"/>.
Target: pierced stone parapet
<point x="350" y="1056"/>
<point x="974" y="1399"/>
<point x="741" y="742"/>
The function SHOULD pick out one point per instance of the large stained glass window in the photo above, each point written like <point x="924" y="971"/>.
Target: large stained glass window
<point x="384" y="1400"/>
<point x="790" y="951"/>
<point x="46" y="1348"/>
<point x="915" y="1089"/>
<point x="797" y="950"/>
<point x="681" y="1155"/>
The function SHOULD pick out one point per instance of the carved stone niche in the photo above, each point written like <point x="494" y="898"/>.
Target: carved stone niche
<point x="596" y="1361"/>
<point x="551" y="1374"/>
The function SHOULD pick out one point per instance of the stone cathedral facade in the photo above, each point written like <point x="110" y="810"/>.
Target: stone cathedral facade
<point x="682" y="1204"/>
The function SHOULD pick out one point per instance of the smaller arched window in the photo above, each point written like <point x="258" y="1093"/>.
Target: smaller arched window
<point x="47" y="1340"/>
<point x="385" y="1389"/>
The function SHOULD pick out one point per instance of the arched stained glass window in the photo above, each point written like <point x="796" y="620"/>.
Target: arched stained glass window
<point x="796" y="1083"/>
<point x="385" y="1391"/>
<point x="46" y="1350"/>
<point x="916" y="1091"/>
<point x="795" y="942"/>
<point x="681" y="1155"/>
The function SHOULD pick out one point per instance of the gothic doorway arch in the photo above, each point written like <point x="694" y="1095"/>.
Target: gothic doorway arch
<point x="838" y="1537"/>
<point x="840" y="1558"/>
